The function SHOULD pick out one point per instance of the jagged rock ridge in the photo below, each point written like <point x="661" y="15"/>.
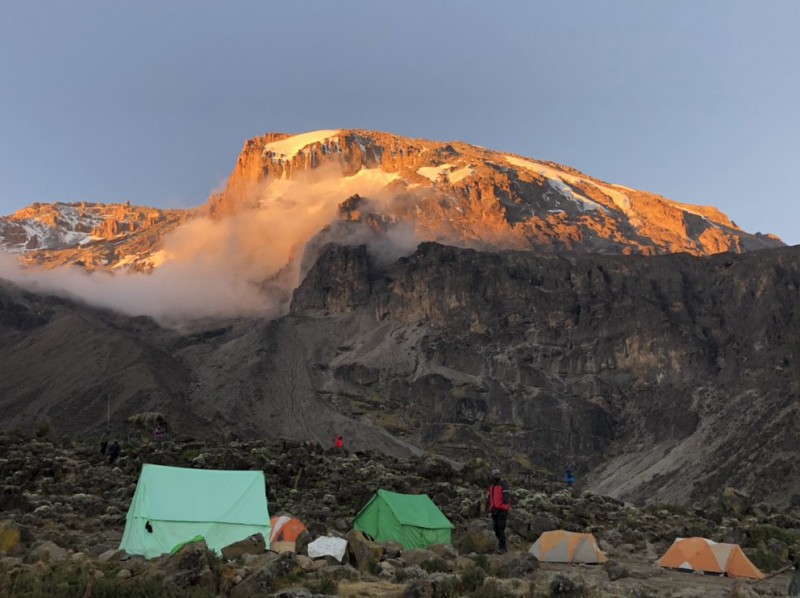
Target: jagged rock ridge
<point x="454" y="193"/>
<point x="91" y="235"/>
<point x="466" y="195"/>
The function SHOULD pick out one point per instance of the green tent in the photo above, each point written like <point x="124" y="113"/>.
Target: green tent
<point x="411" y="519"/>
<point x="173" y="505"/>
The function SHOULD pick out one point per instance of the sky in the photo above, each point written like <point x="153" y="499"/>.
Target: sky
<point x="151" y="101"/>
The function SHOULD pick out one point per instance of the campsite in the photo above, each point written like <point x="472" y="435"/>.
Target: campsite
<point x="70" y="512"/>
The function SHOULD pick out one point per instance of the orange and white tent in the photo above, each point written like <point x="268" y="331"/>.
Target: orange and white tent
<point x="560" y="546"/>
<point x="284" y="533"/>
<point x="699" y="554"/>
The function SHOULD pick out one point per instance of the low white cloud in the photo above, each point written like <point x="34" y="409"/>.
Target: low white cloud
<point x="243" y="264"/>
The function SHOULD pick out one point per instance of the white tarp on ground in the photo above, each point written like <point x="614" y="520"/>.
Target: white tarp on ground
<point x="327" y="546"/>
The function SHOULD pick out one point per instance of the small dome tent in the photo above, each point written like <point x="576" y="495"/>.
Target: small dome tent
<point x="285" y="530"/>
<point x="174" y="505"/>
<point x="410" y="519"/>
<point x="560" y="546"/>
<point x="700" y="554"/>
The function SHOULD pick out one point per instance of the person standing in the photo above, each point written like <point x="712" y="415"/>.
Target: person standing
<point x="113" y="452"/>
<point x="339" y="443"/>
<point x="569" y="478"/>
<point x="499" y="506"/>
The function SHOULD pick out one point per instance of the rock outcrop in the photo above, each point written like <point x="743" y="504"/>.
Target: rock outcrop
<point x="91" y="235"/>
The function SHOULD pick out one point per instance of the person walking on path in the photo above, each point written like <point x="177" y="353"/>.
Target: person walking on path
<point x="499" y="506"/>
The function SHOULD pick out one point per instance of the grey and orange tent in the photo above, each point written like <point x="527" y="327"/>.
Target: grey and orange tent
<point x="561" y="546"/>
<point x="284" y="533"/>
<point x="700" y="554"/>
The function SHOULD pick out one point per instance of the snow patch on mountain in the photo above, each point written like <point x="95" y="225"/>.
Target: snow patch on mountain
<point x="449" y="172"/>
<point x="288" y="148"/>
<point x="568" y="192"/>
<point x="374" y="176"/>
<point x="63" y="226"/>
<point x="619" y="199"/>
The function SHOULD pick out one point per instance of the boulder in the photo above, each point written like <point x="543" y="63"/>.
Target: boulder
<point x="736" y="501"/>
<point x="568" y="586"/>
<point x="189" y="567"/>
<point x="515" y="565"/>
<point x="366" y="552"/>
<point x="47" y="552"/>
<point x="476" y="538"/>
<point x="254" y="544"/>
<point x="445" y="551"/>
<point x="111" y="554"/>
<point x="263" y="579"/>
<point x="392" y="549"/>
<point x="301" y="542"/>
<point x="292" y="593"/>
<point x="531" y="527"/>
<point x="426" y="559"/>
<point x="615" y="570"/>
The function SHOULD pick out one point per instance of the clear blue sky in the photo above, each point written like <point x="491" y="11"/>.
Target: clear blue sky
<point x="151" y="101"/>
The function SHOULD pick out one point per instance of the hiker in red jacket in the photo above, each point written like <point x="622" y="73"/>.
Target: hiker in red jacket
<point x="499" y="506"/>
<point x="339" y="442"/>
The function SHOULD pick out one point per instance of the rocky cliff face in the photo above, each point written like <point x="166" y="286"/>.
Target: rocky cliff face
<point x="661" y="379"/>
<point x="662" y="376"/>
<point x="469" y="196"/>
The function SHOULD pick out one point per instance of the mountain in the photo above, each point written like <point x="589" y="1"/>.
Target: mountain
<point x="452" y="193"/>
<point x="466" y="195"/>
<point x="423" y="296"/>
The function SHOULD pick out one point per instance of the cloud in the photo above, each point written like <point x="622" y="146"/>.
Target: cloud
<point x="245" y="264"/>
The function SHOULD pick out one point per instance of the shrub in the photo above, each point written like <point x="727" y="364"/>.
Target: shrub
<point x="43" y="430"/>
<point x="766" y="532"/>
<point x="765" y="559"/>
<point x="472" y="578"/>
<point x="436" y="565"/>
<point x="322" y="586"/>
<point x="491" y="589"/>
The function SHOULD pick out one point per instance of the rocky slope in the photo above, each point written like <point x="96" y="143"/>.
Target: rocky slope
<point x="661" y="379"/>
<point x="63" y="513"/>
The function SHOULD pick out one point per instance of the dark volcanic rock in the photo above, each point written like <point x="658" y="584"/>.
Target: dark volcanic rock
<point x="625" y="367"/>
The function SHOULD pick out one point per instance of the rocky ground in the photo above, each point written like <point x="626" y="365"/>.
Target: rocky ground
<point x="62" y="513"/>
